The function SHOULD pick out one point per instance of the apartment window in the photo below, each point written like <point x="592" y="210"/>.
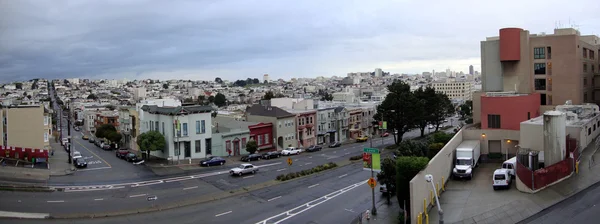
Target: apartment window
<point x="243" y="143"/>
<point x="202" y="126"/>
<point x="585" y="98"/>
<point x="540" y="84"/>
<point x="260" y="140"/>
<point x="592" y="68"/>
<point x="584" y="67"/>
<point x="528" y="115"/>
<point x="585" y="50"/>
<point x="197" y="127"/>
<point x="45" y="136"/>
<point x="592" y="54"/>
<point x="584" y="82"/>
<point x="267" y="138"/>
<point x="539" y="68"/>
<point x="156" y="126"/>
<point x="542" y="99"/>
<point x="198" y="146"/>
<point x="45" y="120"/>
<point x="163" y="128"/>
<point x="589" y="131"/>
<point x="538" y="53"/>
<point x="493" y="121"/>
<point x="185" y="130"/>
<point x="549" y="49"/>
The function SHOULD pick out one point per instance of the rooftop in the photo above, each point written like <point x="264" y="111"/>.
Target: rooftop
<point x="268" y="111"/>
<point x="576" y="115"/>
<point x="180" y="110"/>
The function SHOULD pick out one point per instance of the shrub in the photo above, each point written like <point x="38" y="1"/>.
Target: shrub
<point x="469" y="120"/>
<point x="319" y="168"/>
<point x="356" y="157"/>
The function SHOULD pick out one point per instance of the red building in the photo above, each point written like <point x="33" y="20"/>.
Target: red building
<point x="507" y="111"/>
<point x="23" y="153"/>
<point x="306" y="121"/>
<point x="262" y="133"/>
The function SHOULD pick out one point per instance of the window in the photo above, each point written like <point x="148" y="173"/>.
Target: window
<point x="156" y="126"/>
<point x="260" y="140"/>
<point x="243" y="143"/>
<point x="539" y="68"/>
<point x="542" y="99"/>
<point x="549" y="49"/>
<point x="198" y="145"/>
<point x="163" y="128"/>
<point x="592" y="68"/>
<point x="45" y="120"/>
<point x="585" y="98"/>
<point x="592" y="55"/>
<point x="208" y="146"/>
<point x="198" y="127"/>
<point x="45" y="136"/>
<point x="203" y="126"/>
<point x="493" y="121"/>
<point x="589" y="131"/>
<point x="584" y="82"/>
<point x="584" y="67"/>
<point x="267" y="138"/>
<point x="185" y="130"/>
<point x="540" y="84"/>
<point x="538" y="53"/>
<point x="585" y="51"/>
<point x="528" y="115"/>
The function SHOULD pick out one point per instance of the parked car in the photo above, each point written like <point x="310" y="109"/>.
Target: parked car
<point x="250" y="157"/>
<point x="335" y="145"/>
<point x="314" y="148"/>
<point x="85" y="137"/>
<point x="132" y="157"/>
<point x="212" y="161"/>
<point x="243" y="169"/>
<point x="501" y="179"/>
<point x="290" y="151"/>
<point x="362" y="139"/>
<point x="80" y="162"/>
<point x="121" y="153"/>
<point x="270" y="155"/>
<point x="91" y="140"/>
<point x="106" y="147"/>
<point x="76" y="128"/>
<point x="75" y="155"/>
<point x="385" y="134"/>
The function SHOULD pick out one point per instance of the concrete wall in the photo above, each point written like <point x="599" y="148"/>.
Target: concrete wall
<point x="477" y="106"/>
<point x="491" y="68"/>
<point x="25" y="127"/>
<point x="532" y="136"/>
<point x="512" y="109"/>
<point x="491" y="135"/>
<point x="439" y="166"/>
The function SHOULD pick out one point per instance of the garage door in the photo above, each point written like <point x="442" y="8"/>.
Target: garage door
<point x="495" y="146"/>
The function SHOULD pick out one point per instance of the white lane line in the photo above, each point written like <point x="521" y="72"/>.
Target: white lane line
<point x="314" y="185"/>
<point x="23" y="215"/>
<point x="137" y="195"/>
<point x="55" y="201"/>
<point x="92" y="169"/>
<point x="189" y="188"/>
<point x="248" y="176"/>
<point x="224" y="213"/>
<point x="307" y="163"/>
<point x="334" y="151"/>
<point x="347" y="153"/>
<point x="342" y="175"/>
<point x="310" y="157"/>
<point x="295" y="160"/>
<point x="275" y="198"/>
<point x="99" y="199"/>
<point x="270" y="164"/>
<point x="280" y="169"/>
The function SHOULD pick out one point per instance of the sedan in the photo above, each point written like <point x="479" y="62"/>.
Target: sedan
<point x="250" y="157"/>
<point x="80" y="162"/>
<point x="335" y="145"/>
<point x="212" y="161"/>
<point x="91" y="140"/>
<point x="385" y="134"/>
<point x="85" y="137"/>
<point x="314" y="148"/>
<point x="132" y="157"/>
<point x="270" y="155"/>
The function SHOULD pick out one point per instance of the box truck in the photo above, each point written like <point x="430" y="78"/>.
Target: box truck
<point x="467" y="158"/>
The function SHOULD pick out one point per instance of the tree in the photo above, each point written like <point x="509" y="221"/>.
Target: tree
<point x="104" y="130"/>
<point x="255" y="81"/>
<point x="387" y="176"/>
<point x="218" y="80"/>
<point x="165" y="86"/>
<point x="424" y="98"/>
<point x="19" y="85"/>
<point x="442" y="108"/>
<point x="111" y="107"/>
<point x="406" y="169"/>
<point x="401" y="100"/>
<point x="327" y="97"/>
<point x="151" y="141"/>
<point x="211" y="99"/>
<point x="466" y="109"/>
<point x="251" y="146"/>
<point x="92" y="97"/>
<point x="201" y="99"/>
<point x="214" y="114"/>
<point x="412" y="148"/>
<point x="220" y="100"/>
<point x="268" y="95"/>
<point x="113" y="136"/>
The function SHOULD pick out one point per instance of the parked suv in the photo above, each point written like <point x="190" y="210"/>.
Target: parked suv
<point x="121" y="153"/>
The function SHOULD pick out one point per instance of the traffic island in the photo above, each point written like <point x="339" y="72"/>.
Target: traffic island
<point x="317" y="169"/>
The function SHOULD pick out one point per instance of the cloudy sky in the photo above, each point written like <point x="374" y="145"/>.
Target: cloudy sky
<point x="204" y="39"/>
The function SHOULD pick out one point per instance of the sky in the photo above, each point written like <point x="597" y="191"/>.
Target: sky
<point x="204" y="39"/>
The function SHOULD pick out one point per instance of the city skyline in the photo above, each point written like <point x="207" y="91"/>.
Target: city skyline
<point x="198" y="41"/>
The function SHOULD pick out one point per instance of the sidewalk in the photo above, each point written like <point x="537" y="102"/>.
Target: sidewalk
<point x="526" y="205"/>
<point x="386" y="214"/>
<point x="58" y="163"/>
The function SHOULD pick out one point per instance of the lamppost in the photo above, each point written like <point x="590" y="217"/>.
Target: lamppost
<point x="429" y="178"/>
<point x="382" y="120"/>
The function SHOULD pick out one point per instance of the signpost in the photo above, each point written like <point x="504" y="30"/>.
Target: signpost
<point x="371" y="162"/>
<point x="152" y="198"/>
<point x="289" y="161"/>
<point x="371" y="181"/>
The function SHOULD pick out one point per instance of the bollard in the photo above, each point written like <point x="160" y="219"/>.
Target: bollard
<point x="437" y="187"/>
<point x="577" y="167"/>
<point x="419" y="218"/>
<point x="425" y="205"/>
<point x="426" y="218"/>
<point x="431" y="197"/>
<point x="443" y="184"/>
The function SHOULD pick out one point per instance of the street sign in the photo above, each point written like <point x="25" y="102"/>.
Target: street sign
<point x="152" y="198"/>
<point x="289" y="161"/>
<point x="371" y="150"/>
<point x="371" y="182"/>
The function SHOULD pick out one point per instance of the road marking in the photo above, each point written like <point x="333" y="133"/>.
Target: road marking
<point x="347" y="153"/>
<point x="280" y="169"/>
<point x="108" y="164"/>
<point x="137" y="195"/>
<point x="270" y="164"/>
<point x="55" y="201"/>
<point x="310" y="157"/>
<point x="99" y="199"/>
<point x="342" y="175"/>
<point x="314" y="185"/>
<point x="189" y="188"/>
<point x="334" y="151"/>
<point x="350" y="210"/>
<point x="295" y="160"/>
<point x="308" y="163"/>
<point x="224" y="213"/>
<point x="248" y="176"/>
<point x="275" y="198"/>
<point x="91" y="169"/>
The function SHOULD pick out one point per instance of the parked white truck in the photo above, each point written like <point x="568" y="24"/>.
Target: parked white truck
<point x="467" y="158"/>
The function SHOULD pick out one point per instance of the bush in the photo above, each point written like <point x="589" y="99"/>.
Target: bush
<point x="356" y="157"/>
<point x="319" y="168"/>
<point x="469" y="121"/>
<point x="440" y="137"/>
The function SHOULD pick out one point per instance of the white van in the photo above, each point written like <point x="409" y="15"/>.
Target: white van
<point x="511" y="166"/>
<point x="501" y="179"/>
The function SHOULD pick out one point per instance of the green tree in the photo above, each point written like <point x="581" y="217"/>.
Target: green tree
<point x="412" y="148"/>
<point x="92" y="97"/>
<point x="466" y="109"/>
<point x="201" y="100"/>
<point x="214" y="114"/>
<point x="327" y="97"/>
<point x="255" y="81"/>
<point x="218" y="80"/>
<point x="211" y="99"/>
<point x="165" y="86"/>
<point x="251" y="146"/>
<point x="220" y="100"/>
<point x="434" y="148"/>
<point x="268" y="95"/>
<point x="113" y="136"/>
<point x="401" y="101"/>
<point x="104" y="130"/>
<point x="151" y="141"/>
<point x="440" y="137"/>
<point x="423" y="100"/>
<point x="387" y="176"/>
<point x="443" y="108"/>
<point x="19" y="85"/>
<point x="406" y="169"/>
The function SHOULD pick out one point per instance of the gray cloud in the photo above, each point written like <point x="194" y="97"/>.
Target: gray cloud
<point x="237" y="39"/>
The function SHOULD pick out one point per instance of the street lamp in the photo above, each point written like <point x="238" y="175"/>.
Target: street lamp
<point x="429" y="178"/>
<point x="382" y="120"/>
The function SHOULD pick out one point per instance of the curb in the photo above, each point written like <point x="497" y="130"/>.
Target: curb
<point x="26" y="188"/>
<point x="207" y="198"/>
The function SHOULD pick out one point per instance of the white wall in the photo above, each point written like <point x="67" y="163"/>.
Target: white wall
<point x="532" y="136"/>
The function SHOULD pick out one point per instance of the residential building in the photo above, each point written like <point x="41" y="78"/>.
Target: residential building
<point x="28" y="128"/>
<point x="284" y="123"/>
<point x="229" y="136"/>
<point x="342" y="123"/>
<point x="107" y="117"/>
<point x="262" y="133"/>
<point x="89" y="121"/>
<point x="326" y="128"/>
<point x="456" y="90"/>
<point x="186" y="128"/>
<point x="354" y="123"/>
<point x="135" y="128"/>
<point x="367" y="120"/>
<point x="139" y="94"/>
<point x="125" y="125"/>
<point x="305" y="124"/>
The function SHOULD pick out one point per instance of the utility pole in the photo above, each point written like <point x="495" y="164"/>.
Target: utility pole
<point x="374" y="209"/>
<point x="68" y="133"/>
<point x="178" y="132"/>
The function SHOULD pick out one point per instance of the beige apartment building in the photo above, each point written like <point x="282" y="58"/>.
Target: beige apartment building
<point x="455" y="90"/>
<point x="559" y="66"/>
<point x="28" y="127"/>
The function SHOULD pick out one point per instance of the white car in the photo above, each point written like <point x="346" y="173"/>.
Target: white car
<point x="502" y="179"/>
<point x="243" y="169"/>
<point x="75" y="155"/>
<point x="290" y="151"/>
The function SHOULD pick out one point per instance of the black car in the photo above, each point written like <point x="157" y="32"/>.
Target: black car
<point x="80" y="163"/>
<point x="212" y="161"/>
<point x="132" y="157"/>
<point x="270" y="155"/>
<point x="335" y="145"/>
<point x="250" y="157"/>
<point x="314" y="148"/>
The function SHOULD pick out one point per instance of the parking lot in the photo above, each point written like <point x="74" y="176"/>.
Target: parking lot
<point x="475" y="201"/>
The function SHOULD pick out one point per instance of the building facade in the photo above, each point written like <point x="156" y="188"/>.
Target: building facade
<point x="26" y="131"/>
<point x="354" y="123"/>
<point x="342" y="123"/>
<point x="186" y="129"/>
<point x="306" y="122"/>
<point x="284" y="123"/>
<point x="262" y="133"/>
<point x="326" y="126"/>
<point x="456" y="90"/>
<point x="229" y="136"/>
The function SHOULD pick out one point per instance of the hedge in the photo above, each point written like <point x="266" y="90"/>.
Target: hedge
<point x="356" y="157"/>
<point x="319" y="168"/>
